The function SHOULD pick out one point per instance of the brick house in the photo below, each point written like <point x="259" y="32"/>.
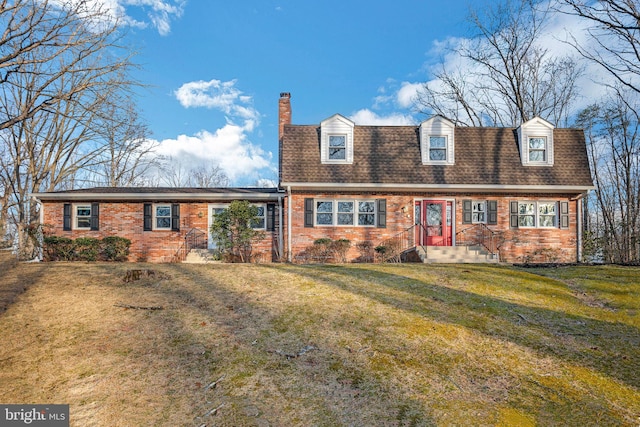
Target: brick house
<point x="435" y="192"/>
<point x="163" y="224"/>
<point x="445" y="192"/>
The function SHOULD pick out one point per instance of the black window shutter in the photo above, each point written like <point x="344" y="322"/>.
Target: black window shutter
<point x="382" y="213"/>
<point x="513" y="214"/>
<point x="271" y="217"/>
<point x="564" y="214"/>
<point x="308" y="212"/>
<point x="492" y="211"/>
<point x="95" y="216"/>
<point x="466" y="211"/>
<point x="148" y="217"/>
<point x="66" y="221"/>
<point x="175" y="217"/>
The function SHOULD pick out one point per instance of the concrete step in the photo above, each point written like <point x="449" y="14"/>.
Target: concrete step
<point x="456" y="254"/>
<point x="201" y="256"/>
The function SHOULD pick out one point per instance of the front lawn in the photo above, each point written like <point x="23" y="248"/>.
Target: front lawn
<point x="293" y="345"/>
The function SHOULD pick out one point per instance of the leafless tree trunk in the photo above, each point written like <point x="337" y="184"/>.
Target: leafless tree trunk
<point x="510" y="78"/>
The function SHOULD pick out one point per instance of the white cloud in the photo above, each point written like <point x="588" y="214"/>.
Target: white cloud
<point x="219" y="95"/>
<point x="405" y="97"/>
<point x="160" y="13"/>
<point x="228" y="148"/>
<point x="366" y="117"/>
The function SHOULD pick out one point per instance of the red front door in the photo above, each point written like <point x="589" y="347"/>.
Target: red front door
<point x="435" y="217"/>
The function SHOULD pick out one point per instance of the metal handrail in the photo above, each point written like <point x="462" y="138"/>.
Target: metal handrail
<point x="401" y="242"/>
<point x="194" y="239"/>
<point x="482" y="235"/>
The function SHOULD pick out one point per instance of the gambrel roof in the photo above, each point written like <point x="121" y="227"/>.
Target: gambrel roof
<point x="389" y="157"/>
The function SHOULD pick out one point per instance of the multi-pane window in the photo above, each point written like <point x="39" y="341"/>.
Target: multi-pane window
<point x="83" y="216"/>
<point x="438" y="148"/>
<point x="162" y="217"/>
<point x="260" y="220"/>
<point x="526" y="214"/>
<point x="479" y="212"/>
<point x="537" y="214"/>
<point x="547" y="214"/>
<point x="337" y="147"/>
<point x="537" y="149"/>
<point x="367" y="213"/>
<point x="324" y="212"/>
<point x="345" y="212"/>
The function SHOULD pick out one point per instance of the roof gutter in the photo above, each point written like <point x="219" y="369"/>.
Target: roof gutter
<point x="178" y="196"/>
<point x="474" y="188"/>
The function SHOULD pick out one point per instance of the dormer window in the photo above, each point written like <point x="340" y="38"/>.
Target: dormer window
<point x="438" y="148"/>
<point x="337" y="147"/>
<point x="336" y="140"/>
<point x="537" y="149"/>
<point x="437" y="141"/>
<point x="536" y="142"/>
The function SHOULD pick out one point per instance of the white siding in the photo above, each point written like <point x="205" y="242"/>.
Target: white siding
<point x="336" y="125"/>
<point x="535" y="127"/>
<point x="437" y="126"/>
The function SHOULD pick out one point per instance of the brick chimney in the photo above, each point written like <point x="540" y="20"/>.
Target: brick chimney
<point x="284" y="112"/>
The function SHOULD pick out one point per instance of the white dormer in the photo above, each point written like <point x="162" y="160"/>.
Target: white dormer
<point x="536" y="142"/>
<point x="437" y="141"/>
<point x="336" y="140"/>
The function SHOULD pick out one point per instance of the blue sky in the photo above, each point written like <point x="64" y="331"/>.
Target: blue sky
<point x="215" y="69"/>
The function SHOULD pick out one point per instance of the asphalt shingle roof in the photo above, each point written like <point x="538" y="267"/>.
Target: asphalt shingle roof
<point x="391" y="155"/>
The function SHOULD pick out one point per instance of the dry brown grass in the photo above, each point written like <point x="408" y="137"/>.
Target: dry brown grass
<point x="291" y="345"/>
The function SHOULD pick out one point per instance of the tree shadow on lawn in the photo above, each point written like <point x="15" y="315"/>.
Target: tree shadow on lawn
<point x="610" y="348"/>
<point x="255" y="343"/>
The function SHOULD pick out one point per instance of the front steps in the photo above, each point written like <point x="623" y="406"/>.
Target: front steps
<point x="455" y="254"/>
<point x="200" y="256"/>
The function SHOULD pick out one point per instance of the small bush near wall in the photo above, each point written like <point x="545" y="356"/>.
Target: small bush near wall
<point x="115" y="248"/>
<point x="87" y="248"/>
<point x="110" y="248"/>
<point x="325" y="250"/>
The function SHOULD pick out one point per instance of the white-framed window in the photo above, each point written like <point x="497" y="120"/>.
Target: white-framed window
<point x="82" y="217"/>
<point x="537" y="149"/>
<point x="260" y="221"/>
<point x="547" y="214"/>
<point x="438" y="148"/>
<point x="537" y="214"/>
<point x="162" y="217"/>
<point x="361" y="213"/>
<point x="337" y="147"/>
<point x="479" y="212"/>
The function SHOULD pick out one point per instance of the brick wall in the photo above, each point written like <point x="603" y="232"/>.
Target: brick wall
<point x="125" y="219"/>
<point x="515" y="244"/>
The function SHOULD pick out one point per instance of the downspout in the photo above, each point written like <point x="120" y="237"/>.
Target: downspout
<point x="579" y="225"/>
<point x="280" y="216"/>
<point x="289" y="252"/>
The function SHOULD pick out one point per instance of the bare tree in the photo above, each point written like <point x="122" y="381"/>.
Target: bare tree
<point x="614" y="42"/>
<point x="59" y="67"/>
<point x="128" y="154"/>
<point x="175" y="173"/>
<point x="613" y="132"/>
<point x="508" y="77"/>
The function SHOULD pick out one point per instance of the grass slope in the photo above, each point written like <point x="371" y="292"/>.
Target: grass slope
<point x="291" y="345"/>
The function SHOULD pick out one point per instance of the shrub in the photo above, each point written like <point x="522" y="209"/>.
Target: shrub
<point x="86" y="248"/>
<point x="115" y="248"/>
<point x="58" y="248"/>
<point x="339" y="248"/>
<point x="366" y="251"/>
